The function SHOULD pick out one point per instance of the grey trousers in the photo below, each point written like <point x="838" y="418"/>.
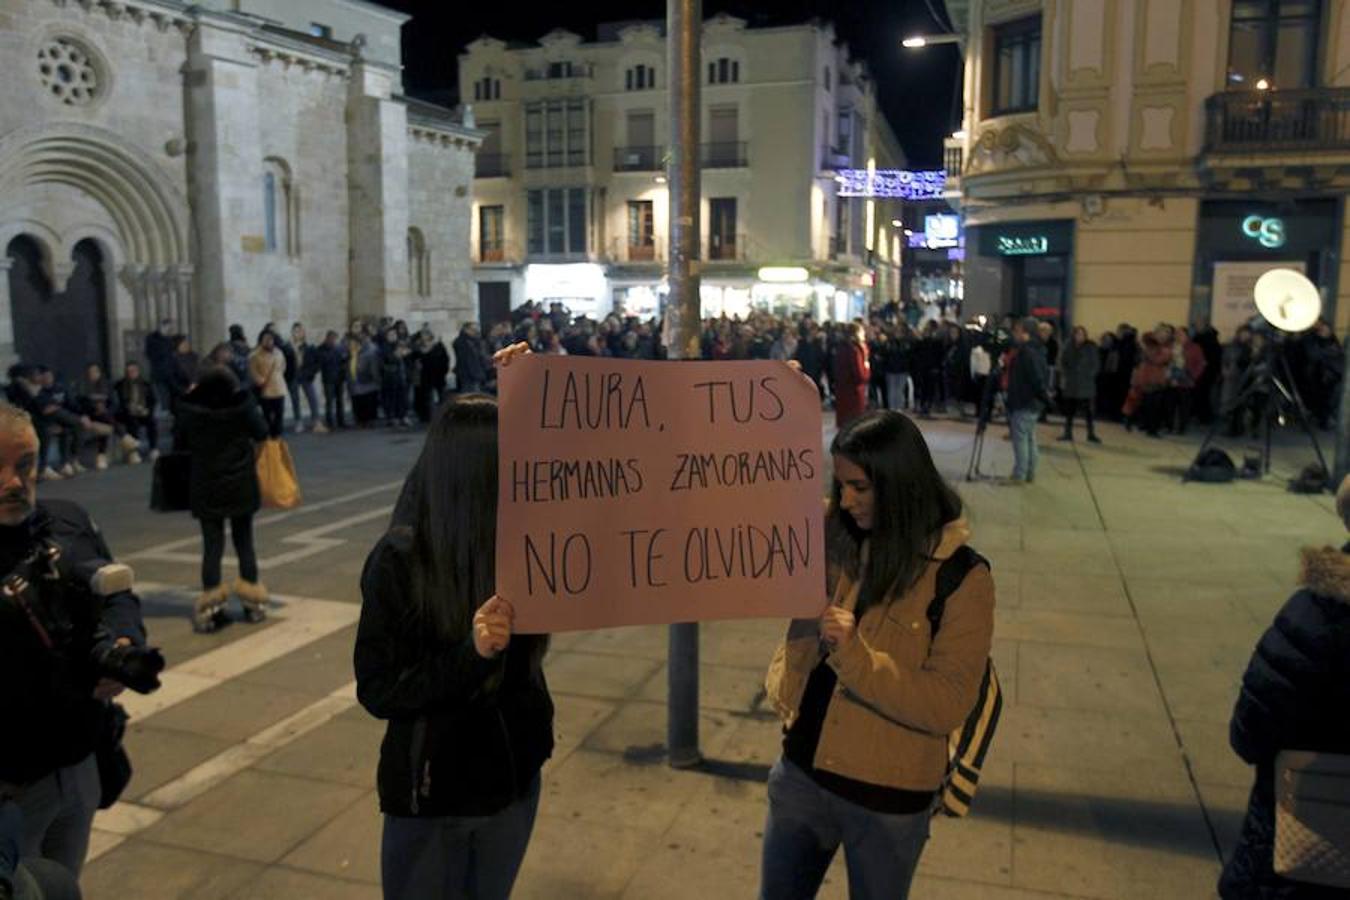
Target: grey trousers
<point x="58" y="814"/>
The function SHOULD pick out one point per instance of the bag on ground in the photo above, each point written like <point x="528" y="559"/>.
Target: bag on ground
<point x="1212" y="467"/>
<point x="170" y="481"/>
<point x="277" y="483"/>
<point x="968" y="745"/>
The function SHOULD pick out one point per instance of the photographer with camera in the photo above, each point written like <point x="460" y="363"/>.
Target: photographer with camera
<point x="71" y="639"/>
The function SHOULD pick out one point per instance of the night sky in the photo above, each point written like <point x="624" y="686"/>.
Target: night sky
<point x="917" y="87"/>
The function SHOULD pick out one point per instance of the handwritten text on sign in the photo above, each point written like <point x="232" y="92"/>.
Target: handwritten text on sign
<point x="643" y="493"/>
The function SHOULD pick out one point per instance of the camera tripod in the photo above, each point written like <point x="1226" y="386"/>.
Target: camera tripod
<point x="1273" y="380"/>
<point x="984" y="414"/>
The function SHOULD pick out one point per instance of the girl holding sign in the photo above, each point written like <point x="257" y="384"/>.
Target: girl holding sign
<point x="470" y="720"/>
<point x="867" y="694"/>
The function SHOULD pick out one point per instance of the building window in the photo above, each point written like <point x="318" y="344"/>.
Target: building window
<point x="724" y="71"/>
<point x="419" y="264"/>
<point x="1017" y="68"/>
<point x="641" y="231"/>
<point x="281" y="208"/>
<point x="556" y="134"/>
<point x="562" y="69"/>
<point x="491" y="233"/>
<point x="556" y="221"/>
<point x="1275" y="41"/>
<point x="487" y="88"/>
<point x="722" y="228"/>
<point x="827" y="79"/>
<point x="319" y="30"/>
<point x="640" y="78"/>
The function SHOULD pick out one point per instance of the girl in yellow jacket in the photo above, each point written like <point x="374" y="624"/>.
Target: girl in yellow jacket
<point x="866" y="694"/>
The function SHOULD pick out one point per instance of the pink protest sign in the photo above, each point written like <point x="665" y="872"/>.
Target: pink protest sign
<point x="645" y="493"/>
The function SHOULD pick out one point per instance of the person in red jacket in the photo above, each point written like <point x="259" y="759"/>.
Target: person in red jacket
<point x="852" y="372"/>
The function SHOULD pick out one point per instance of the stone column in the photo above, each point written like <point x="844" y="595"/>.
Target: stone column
<point x="8" y="356"/>
<point x="377" y="177"/>
<point x="225" y="170"/>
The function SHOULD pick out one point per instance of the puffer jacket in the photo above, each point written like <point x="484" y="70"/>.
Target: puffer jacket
<point x="1295" y="695"/>
<point x="899" y="692"/>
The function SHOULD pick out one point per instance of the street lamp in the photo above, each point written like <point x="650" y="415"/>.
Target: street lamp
<point x="926" y="40"/>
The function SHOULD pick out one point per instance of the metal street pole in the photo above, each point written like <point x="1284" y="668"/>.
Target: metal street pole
<point x="684" y="26"/>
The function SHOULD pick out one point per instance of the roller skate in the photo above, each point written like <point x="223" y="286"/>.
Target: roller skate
<point x="253" y="597"/>
<point x="209" y="610"/>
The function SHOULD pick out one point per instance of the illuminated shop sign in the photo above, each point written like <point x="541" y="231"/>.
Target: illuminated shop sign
<point x="1023" y="246"/>
<point x="891" y="184"/>
<point x="1268" y="232"/>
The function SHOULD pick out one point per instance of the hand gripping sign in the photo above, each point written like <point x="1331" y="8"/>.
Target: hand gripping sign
<point x="646" y="493"/>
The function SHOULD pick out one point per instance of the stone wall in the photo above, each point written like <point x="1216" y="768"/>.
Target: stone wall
<point x="440" y="185"/>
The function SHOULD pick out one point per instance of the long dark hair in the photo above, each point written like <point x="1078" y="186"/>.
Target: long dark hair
<point x="450" y="505"/>
<point x="912" y="504"/>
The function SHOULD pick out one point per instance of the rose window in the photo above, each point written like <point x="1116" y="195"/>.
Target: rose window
<point x="68" y="71"/>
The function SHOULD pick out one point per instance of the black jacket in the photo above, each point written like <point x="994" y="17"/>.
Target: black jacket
<point x="435" y="366"/>
<point x="307" y="358"/>
<point x="224" y="479"/>
<point x="1029" y="380"/>
<point x="466" y="736"/>
<point x="332" y="363"/>
<point x="134" y="398"/>
<point x="48" y="715"/>
<point x="159" y="353"/>
<point x="1295" y="695"/>
<point x="470" y="361"/>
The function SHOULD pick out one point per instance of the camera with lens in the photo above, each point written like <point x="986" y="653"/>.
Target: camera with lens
<point x="63" y="602"/>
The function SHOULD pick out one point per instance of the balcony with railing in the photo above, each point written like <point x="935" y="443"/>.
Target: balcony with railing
<point x="492" y="251"/>
<point x="725" y="155"/>
<point x="491" y="165"/>
<point x="1313" y="120"/>
<point x="639" y="159"/>
<point x="728" y="247"/>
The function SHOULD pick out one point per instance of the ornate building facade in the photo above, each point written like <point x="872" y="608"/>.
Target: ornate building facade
<point x="1145" y="160"/>
<point x="217" y="163"/>
<point x="571" y="204"/>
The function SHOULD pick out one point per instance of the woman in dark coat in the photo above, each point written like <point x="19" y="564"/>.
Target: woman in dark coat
<point x="470" y="720"/>
<point x="1295" y="696"/>
<point x="218" y="423"/>
<point x="1079" y="363"/>
<point x="852" y="372"/>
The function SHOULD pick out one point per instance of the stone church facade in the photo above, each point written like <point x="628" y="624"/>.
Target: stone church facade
<point x="225" y="162"/>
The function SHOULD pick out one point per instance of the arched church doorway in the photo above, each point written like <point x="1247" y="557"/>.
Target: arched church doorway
<point x="64" y="330"/>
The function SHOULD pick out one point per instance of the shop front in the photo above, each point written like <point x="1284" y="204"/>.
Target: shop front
<point x="1021" y="269"/>
<point x="1239" y="241"/>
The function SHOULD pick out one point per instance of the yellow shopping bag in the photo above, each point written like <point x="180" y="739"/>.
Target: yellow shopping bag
<point x="276" y="475"/>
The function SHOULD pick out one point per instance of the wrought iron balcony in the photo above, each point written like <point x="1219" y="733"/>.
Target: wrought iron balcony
<point x="638" y="159"/>
<point x="490" y="165"/>
<point x="724" y="155"/>
<point x="1311" y="120"/>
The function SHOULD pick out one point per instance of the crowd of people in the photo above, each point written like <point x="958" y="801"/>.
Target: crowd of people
<point x="466" y="699"/>
<point x="375" y="369"/>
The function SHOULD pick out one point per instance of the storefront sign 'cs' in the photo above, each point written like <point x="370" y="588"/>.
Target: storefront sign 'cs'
<point x="1268" y="232"/>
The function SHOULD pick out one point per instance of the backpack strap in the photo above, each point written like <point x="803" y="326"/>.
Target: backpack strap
<point x="951" y="573"/>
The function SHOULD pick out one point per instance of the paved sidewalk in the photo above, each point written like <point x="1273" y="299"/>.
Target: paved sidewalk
<point x="1128" y="605"/>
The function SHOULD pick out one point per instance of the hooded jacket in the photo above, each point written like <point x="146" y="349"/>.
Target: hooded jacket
<point x="224" y="479"/>
<point x="1295" y="696"/>
<point x="899" y="692"/>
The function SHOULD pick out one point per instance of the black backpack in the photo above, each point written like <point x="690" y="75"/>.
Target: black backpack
<point x="967" y="745"/>
<point x="1212" y="467"/>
